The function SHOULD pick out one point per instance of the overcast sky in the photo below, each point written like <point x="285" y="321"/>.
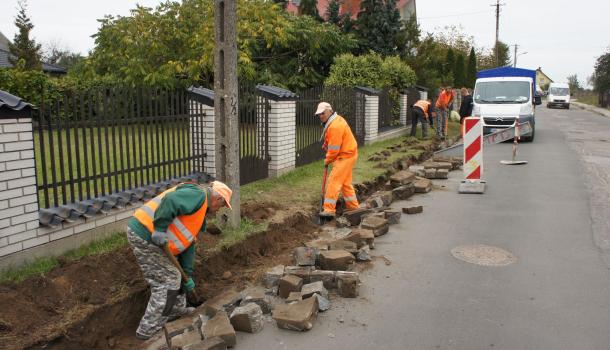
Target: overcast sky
<point x="561" y="36"/>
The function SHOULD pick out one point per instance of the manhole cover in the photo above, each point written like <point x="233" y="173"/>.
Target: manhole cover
<point x="483" y="255"/>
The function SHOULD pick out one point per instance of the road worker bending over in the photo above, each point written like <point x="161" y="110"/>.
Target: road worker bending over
<point x="173" y="218"/>
<point x="342" y="152"/>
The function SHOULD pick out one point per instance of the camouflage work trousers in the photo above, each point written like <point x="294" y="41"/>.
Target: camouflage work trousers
<point x="164" y="280"/>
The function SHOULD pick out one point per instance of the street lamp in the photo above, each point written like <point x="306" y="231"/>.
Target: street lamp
<point x="515" y="61"/>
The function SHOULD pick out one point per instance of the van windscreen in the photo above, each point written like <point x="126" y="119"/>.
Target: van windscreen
<point x="502" y="92"/>
<point x="560" y="91"/>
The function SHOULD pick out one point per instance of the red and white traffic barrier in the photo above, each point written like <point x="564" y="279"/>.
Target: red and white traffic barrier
<point x="516" y="140"/>
<point x="472" y="134"/>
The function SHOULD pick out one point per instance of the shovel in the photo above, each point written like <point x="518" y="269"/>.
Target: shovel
<point x="317" y="219"/>
<point x="191" y="296"/>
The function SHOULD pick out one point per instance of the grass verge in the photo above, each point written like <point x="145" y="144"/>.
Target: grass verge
<point x="231" y="236"/>
<point x="304" y="184"/>
<point x="41" y="266"/>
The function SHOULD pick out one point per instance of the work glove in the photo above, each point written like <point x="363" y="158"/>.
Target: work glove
<point x="159" y="238"/>
<point x="189" y="285"/>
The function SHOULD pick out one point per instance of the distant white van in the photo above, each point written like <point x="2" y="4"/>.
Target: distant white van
<point x="559" y="95"/>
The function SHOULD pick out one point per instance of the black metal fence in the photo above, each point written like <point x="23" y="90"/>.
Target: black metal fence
<point x="99" y="142"/>
<point x="254" y="134"/>
<point x="413" y="95"/>
<point x="389" y="109"/>
<point x="346" y="101"/>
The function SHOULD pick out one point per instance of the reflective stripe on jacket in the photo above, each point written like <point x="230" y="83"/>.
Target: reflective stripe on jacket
<point x="424" y="106"/>
<point x="339" y="142"/>
<point x="183" y="230"/>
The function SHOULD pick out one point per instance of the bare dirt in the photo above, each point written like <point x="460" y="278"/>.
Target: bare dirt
<point x="96" y="302"/>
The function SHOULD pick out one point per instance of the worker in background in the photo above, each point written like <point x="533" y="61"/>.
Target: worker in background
<point x="445" y="98"/>
<point x="173" y="218"/>
<point x="422" y="112"/>
<point x="466" y="106"/>
<point x="341" y="152"/>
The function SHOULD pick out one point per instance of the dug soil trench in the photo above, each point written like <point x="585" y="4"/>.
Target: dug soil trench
<point x="96" y="302"/>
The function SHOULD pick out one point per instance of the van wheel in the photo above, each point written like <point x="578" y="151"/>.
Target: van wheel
<point x="548" y="106"/>
<point x="567" y="106"/>
<point x="531" y="137"/>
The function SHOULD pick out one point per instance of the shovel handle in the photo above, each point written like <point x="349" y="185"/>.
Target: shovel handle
<point x="175" y="262"/>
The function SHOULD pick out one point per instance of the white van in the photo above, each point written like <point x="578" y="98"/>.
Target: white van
<point x="503" y="94"/>
<point x="559" y="95"/>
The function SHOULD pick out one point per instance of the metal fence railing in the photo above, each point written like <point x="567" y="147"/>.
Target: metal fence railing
<point x="253" y="134"/>
<point x="389" y="110"/>
<point x="99" y="142"/>
<point x="345" y="101"/>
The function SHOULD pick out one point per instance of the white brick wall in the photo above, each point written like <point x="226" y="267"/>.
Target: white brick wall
<point x="209" y="141"/>
<point x="282" y="132"/>
<point x="371" y="118"/>
<point x="403" y="109"/>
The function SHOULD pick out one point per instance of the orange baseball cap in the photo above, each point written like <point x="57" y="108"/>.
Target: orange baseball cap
<point x="224" y="191"/>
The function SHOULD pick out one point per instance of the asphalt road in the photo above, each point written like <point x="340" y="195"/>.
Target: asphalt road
<point x="552" y="214"/>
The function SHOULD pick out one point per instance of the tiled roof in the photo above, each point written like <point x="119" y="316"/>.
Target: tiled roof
<point x="12" y="102"/>
<point x="53" y="217"/>
<point x="46" y="67"/>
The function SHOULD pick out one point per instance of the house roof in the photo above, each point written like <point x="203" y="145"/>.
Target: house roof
<point x="46" y="67"/>
<point x="351" y="6"/>
<point x="4" y="42"/>
<point x="539" y="71"/>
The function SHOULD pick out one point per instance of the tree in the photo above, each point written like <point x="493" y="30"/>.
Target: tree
<point x="471" y="71"/>
<point x="448" y="69"/>
<point x="310" y="8"/>
<point x="22" y="47"/>
<point x="332" y="13"/>
<point x="601" y="74"/>
<point x="377" y="26"/>
<point x="408" y="38"/>
<point x="574" y="83"/>
<point x="57" y="54"/>
<point x="459" y="74"/>
<point x="503" y="55"/>
<point x="173" y="44"/>
<point x="371" y="70"/>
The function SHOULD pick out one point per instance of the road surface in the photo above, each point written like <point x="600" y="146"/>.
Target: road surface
<point x="552" y="214"/>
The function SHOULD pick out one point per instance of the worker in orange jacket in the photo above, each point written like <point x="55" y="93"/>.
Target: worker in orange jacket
<point x="445" y="98"/>
<point x="342" y="152"/>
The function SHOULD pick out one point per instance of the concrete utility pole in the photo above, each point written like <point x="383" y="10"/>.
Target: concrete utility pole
<point x="497" y="5"/>
<point x="226" y="101"/>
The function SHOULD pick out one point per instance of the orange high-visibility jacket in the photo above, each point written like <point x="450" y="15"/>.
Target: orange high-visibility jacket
<point x="182" y="232"/>
<point x="339" y="142"/>
<point x="444" y="99"/>
<point x="424" y="105"/>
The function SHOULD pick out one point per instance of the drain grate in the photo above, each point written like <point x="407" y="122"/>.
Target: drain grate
<point x="483" y="255"/>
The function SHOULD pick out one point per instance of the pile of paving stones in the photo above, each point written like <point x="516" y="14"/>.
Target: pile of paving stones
<point x="295" y="294"/>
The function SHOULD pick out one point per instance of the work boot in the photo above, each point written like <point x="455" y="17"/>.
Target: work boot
<point x="179" y="311"/>
<point x="142" y="336"/>
<point x="327" y="215"/>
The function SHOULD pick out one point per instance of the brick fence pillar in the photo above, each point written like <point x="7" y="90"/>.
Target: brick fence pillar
<point x="404" y="105"/>
<point x="282" y="129"/>
<point x="203" y="140"/>
<point x="371" y="113"/>
<point x="18" y="198"/>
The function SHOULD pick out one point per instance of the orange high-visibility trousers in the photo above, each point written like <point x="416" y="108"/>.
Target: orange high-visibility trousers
<point x="340" y="180"/>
